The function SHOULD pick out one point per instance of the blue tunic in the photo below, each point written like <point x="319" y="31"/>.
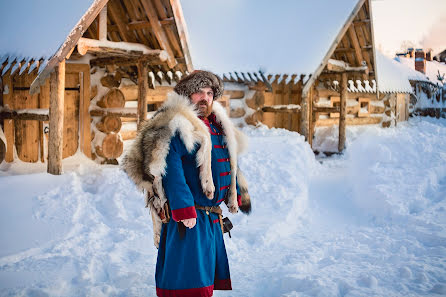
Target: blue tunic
<point x="197" y="263"/>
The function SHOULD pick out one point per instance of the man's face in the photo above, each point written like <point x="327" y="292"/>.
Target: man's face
<point x="203" y="99"/>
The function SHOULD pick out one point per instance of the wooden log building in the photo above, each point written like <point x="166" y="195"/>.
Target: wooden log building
<point x="336" y="84"/>
<point x="74" y="91"/>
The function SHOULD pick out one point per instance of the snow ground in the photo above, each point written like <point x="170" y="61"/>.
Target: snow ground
<point x="370" y="222"/>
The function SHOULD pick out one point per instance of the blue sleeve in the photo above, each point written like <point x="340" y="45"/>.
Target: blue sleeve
<point x="178" y="194"/>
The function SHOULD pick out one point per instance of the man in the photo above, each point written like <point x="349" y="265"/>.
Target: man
<point x="185" y="158"/>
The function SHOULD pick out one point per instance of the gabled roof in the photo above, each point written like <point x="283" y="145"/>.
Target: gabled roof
<point x="293" y="37"/>
<point x="393" y="77"/>
<point x="40" y="34"/>
<point x="432" y="70"/>
<point x="36" y="30"/>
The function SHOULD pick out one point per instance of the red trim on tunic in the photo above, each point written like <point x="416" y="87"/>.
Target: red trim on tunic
<point x="239" y="200"/>
<point x="225" y="173"/>
<point x="220" y="200"/>
<point x="184" y="213"/>
<point x="216" y="221"/>
<point x="224" y="187"/>
<point x="223" y="160"/>
<point x="222" y="284"/>
<point x="220" y="146"/>
<point x="194" y="292"/>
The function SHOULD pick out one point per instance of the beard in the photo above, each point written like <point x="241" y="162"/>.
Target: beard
<point x="204" y="109"/>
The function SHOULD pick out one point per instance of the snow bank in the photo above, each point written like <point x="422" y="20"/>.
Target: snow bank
<point x="370" y="222"/>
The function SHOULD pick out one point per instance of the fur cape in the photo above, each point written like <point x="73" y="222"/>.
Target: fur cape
<point x="145" y="161"/>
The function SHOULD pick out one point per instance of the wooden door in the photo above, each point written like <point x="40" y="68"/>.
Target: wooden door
<point x="71" y="115"/>
<point x="27" y="136"/>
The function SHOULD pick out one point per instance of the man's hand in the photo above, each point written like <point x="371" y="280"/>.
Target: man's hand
<point x="189" y="223"/>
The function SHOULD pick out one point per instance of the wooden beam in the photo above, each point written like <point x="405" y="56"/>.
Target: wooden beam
<point x="120" y="112"/>
<point x="159" y="32"/>
<point x="151" y="59"/>
<point x="55" y="145"/>
<point x="349" y="121"/>
<point x="282" y="108"/>
<point x="126" y="49"/>
<point x="356" y="46"/>
<point x="25" y="114"/>
<point x="326" y="109"/>
<point x="361" y="22"/>
<point x="143" y="86"/>
<point x="75" y="34"/>
<point x="343" y="106"/>
<point x="341" y="66"/>
<point x="8" y="125"/>
<point x="182" y="32"/>
<point x="116" y="12"/>
<point x="102" y="31"/>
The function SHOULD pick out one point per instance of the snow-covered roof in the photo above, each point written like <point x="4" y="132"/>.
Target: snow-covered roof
<point x="392" y="76"/>
<point x="36" y="29"/>
<point x="251" y="35"/>
<point x="432" y="69"/>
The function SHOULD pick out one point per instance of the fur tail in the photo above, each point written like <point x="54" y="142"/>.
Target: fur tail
<point x="243" y="187"/>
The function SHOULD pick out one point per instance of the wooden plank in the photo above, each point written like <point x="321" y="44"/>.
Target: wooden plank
<point x="102" y="22"/>
<point x="235" y="94"/>
<point x="116" y="12"/>
<point x="57" y="85"/>
<point x="356" y="46"/>
<point x="24" y="114"/>
<point x="174" y="41"/>
<point x="8" y="125"/>
<point x="143" y="86"/>
<point x="71" y="116"/>
<point x="281" y="109"/>
<point x="182" y="32"/>
<point x="77" y="33"/>
<point x="136" y="24"/>
<point x="159" y="32"/>
<point x="343" y="91"/>
<point x="349" y="121"/>
<point x="83" y="71"/>
<point x="44" y="102"/>
<point x="120" y="112"/>
<point x="310" y="117"/>
<point x="26" y="131"/>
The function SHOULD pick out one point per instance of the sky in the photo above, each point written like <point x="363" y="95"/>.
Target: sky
<point x="422" y="22"/>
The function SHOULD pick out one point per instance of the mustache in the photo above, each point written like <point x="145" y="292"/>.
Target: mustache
<point x="202" y="102"/>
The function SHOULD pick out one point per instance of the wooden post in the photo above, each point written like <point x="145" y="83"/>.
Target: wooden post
<point x="55" y="145"/>
<point x="343" y="106"/>
<point x="304" y="119"/>
<point x="143" y="85"/>
<point x="102" y="31"/>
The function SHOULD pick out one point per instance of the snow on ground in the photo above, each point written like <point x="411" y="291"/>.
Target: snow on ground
<point x="370" y="222"/>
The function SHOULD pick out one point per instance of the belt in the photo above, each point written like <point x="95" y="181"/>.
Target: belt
<point x="215" y="209"/>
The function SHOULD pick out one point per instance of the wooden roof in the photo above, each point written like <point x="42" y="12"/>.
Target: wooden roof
<point x="157" y="24"/>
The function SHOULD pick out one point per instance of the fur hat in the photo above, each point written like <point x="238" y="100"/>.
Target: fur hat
<point x="197" y="80"/>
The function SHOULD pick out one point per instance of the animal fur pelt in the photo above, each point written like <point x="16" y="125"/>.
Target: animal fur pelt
<point x="145" y="162"/>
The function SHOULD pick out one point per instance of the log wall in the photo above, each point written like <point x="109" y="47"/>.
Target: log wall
<point x="29" y="138"/>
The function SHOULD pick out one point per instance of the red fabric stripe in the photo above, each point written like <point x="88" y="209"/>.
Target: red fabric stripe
<point x="220" y="146"/>
<point x="220" y="200"/>
<point x="224" y="187"/>
<point x="194" y="292"/>
<point x="222" y="284"/>
<point x="225" y="173"/>
<point x="223" y="160"/>
<point x="184" y="213"/>
<point x="215" y="221"/>
<point x="213" y="133"/>
<point x="239" y="200"/>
